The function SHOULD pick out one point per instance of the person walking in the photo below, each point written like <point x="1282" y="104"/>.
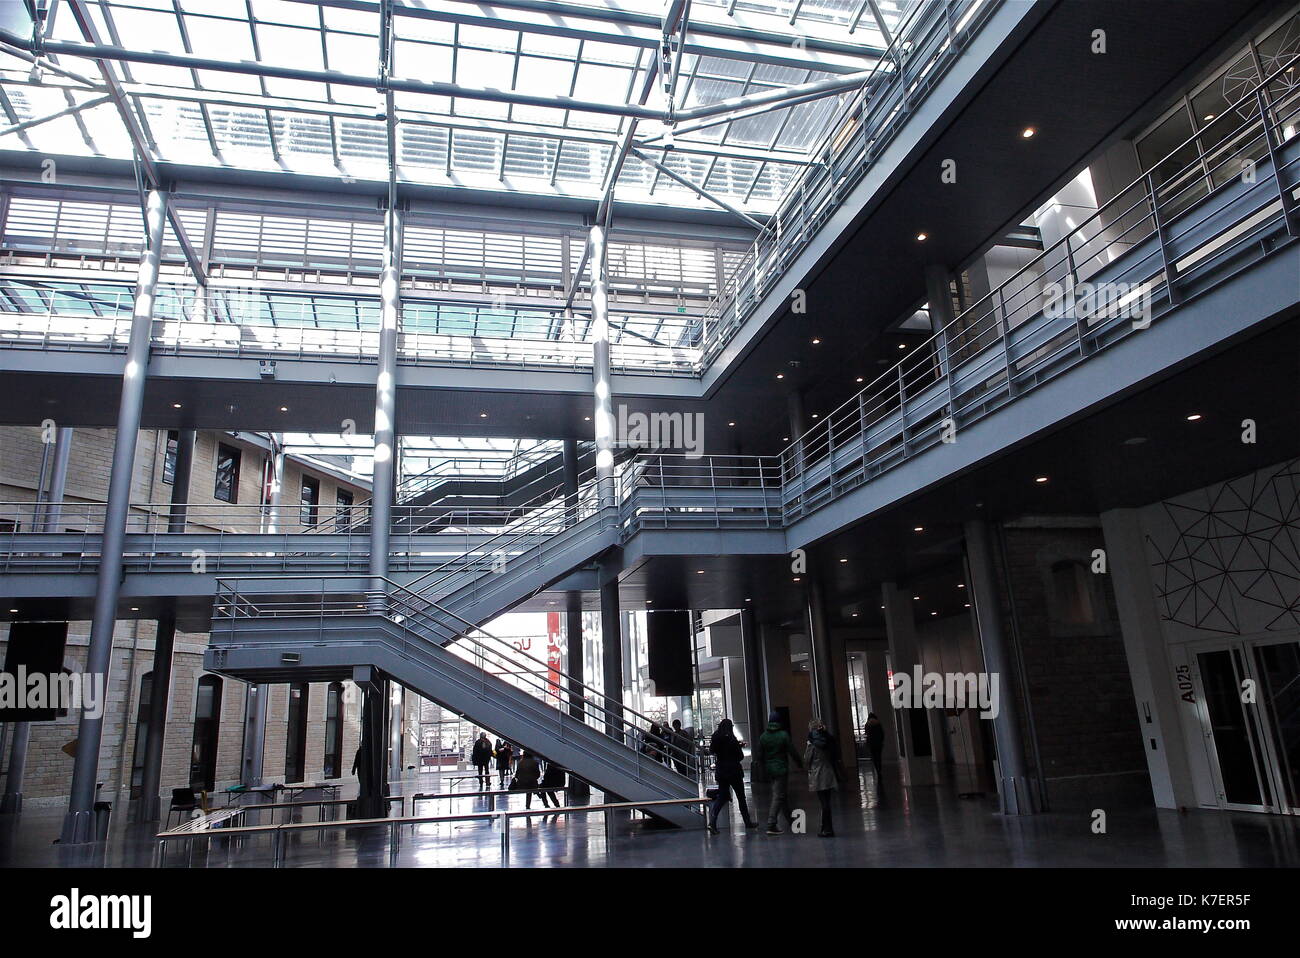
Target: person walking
<point x="822" y="758"/>
<point x="875" y="734"/>
<point x="553" y="781"/>
<point x="481" y="758"/>
<point x="727" y="757"/>
<point x="774" y="751"/>
<point x="505" y="761"/>
<point x="527" y="777"/>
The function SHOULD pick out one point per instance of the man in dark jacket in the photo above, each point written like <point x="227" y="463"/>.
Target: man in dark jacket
<point x="481" y="758"/>
<point x="774" y="748"/>
<point x="727" y="756"/>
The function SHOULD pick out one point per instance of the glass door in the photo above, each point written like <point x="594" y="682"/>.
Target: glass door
<point x="1250" y="712"/>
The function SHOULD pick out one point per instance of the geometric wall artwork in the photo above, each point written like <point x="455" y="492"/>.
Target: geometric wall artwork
<point x="1228" y="555"/>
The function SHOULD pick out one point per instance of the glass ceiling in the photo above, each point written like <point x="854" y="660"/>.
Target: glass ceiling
<point x="595" y="52"/>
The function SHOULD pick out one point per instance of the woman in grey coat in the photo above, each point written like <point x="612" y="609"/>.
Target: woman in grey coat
<point x="822" y="759"/>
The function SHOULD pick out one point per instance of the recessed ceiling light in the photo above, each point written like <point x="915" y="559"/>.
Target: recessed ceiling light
<point x="858" y="380"/>
<point x="855" y="615"/>
<point x="902" y="345"/>
<point x="482" y="415"/>
<point x="934" y="613"/>
<point x="1040" y="478"/>
<point x="844" y="560"/>
<point x="699" y="572"/>
<point x="816" y="342"/>
<point x="1194" y="417"/>
<point x="916" y="598"/>
<point x="731" y="424"/>
<point x="780" y="375"/>
<point x="586" y="419"/>
<point x="284" y="409"/>
<point x="961" y="585"/>
<point x="749" y="600"/>
<point x="135" y="608"/>
<point x="814" y="415"/>
<point x="176" y="405"/>
<point x="13" y="610"/>
<point x="921" y="237"/>
<point x="796" y="578"/>
<point x="785" y="438"/>
<point x="1209" y="117"/>
<point x="918" y="528"/>
<point x="1028" y="132"/>
<point x="968" y="605"/>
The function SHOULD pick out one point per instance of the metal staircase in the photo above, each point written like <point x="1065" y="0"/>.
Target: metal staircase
<point x="428" y="648"/>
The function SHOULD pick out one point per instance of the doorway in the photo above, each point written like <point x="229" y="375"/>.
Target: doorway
<point x="1249" y="708"/>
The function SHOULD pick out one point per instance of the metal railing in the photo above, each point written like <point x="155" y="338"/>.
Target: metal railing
<point x="1040" y="321"/>
<point x="422" y="620"/>
<point x="925" y="44"/>
<point x="503" y="816"/>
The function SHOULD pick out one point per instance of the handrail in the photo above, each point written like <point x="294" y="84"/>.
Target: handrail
<point x="792" y="457"/>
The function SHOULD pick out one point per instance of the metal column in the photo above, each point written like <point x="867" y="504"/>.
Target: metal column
<point x="79" y="825"/>
<point x="823" y="670"/>
<point x="752" y="655"/>
<point x="611" y="648"/>
<point x="255" y="702"/>
<point x="604" y="417"/>
<point x="384" y="478"/>
<point x="573" y="600"/>
<point x="149" y="808"/>
<point x="58" y="479"/>
<point x="12" y="802"/>
<point x="1016" y="791"/>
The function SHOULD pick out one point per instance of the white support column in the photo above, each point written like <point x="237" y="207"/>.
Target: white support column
<point x="1148" y="661"/>
<point x="79" y="826"/>
<point x="383" y="479"/>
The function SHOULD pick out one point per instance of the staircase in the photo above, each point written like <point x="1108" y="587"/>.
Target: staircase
<point x="427" y="636"/>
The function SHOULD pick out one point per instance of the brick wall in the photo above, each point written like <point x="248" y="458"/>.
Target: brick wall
<point x="1076" y="674"/>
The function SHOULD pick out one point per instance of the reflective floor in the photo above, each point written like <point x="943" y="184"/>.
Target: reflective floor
<point x="923" y="827"/>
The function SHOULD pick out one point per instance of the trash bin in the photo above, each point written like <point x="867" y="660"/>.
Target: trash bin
<point x="103" y="812"/>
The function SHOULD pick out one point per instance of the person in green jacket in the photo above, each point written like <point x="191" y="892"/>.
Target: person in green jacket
<point x="774" y="748"/>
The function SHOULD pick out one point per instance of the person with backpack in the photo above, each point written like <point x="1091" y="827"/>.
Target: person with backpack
<point x="727" y="757"/>
<point x="481" y="758"/>
<point x="822" y="756"/>
<point x="774" y="751"/>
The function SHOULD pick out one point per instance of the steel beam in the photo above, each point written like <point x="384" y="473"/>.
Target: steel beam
<point x="777" y="98"/>
<point x="68" y="111"/>
<point x="385" y="441"/>
<point x="78" y="826"/>
<point x="673" y="175"/>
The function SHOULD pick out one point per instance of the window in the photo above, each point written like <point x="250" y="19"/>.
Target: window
<point x="295" y="746"/>
<point x="141" y="733"/>
<point x="1073" y="601"/>
<point x="310" y="501"/>
<point x="227" y="482"/>
<point x="334" y="730"/>
<point x="169" y="456"/>
<point x="207" y="728"/>
<point x="343" y="513"/>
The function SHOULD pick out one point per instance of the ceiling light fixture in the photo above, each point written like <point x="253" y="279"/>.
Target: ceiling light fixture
<point x="1040" y="479"/>
<point x="780" y="375"/>
<point x="918" y="528"/>
<point x="921" y="237"/>
<point x="176" y="405"/>
<point x="858" y="380"/>
<point x="1194" y="417"/>
<point x="816" y="342"/>
<point x="1028" y="132"/>
<point x="284" y="409"/>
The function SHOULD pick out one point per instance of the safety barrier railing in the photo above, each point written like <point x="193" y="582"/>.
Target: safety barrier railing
<point x="675" y="490"/>
<point x="925" y="44"/>
<point x="503" y="816"/>
<point x="1121" y="269"/>
<point x="421" y="620"/>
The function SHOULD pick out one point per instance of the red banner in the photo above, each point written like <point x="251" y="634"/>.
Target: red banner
<point x="553" y="654"/>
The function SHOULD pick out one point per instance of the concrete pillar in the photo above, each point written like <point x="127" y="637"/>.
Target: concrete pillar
<point x="1017" y="792"/>
<point x="79" y="824"/>
<point x="941" y="314"/>
<point x="1148" y="660"/>
<point x="611" y="644"/>
<point x="396" y="710"/>
<point x="752" y="655"/>
<point x="912" y="734"/>
<point x="372" y="783"/>
<point x="277" y="486"/>
<point x="603" y="415"/>
<point x="824" y="672"/>
<point x="877" y="673"/>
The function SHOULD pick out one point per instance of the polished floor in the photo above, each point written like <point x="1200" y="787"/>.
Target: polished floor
<point x="923" y="827"/>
